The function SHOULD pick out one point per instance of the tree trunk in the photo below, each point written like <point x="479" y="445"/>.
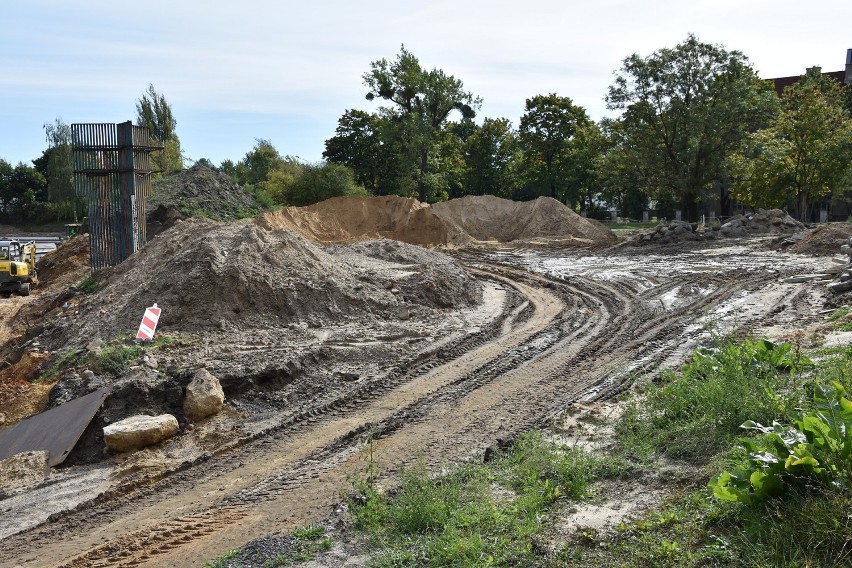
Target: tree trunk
<point x="803" y="206"/>
<point x="421" y="181"/>
<point x="689" y="205"/>
<point x="724" y="201"/>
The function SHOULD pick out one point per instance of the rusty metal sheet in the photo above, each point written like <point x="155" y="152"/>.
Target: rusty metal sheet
<point x="55" y="431"/>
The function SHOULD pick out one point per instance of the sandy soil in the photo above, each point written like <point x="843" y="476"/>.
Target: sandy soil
<point x="320" y="347"/>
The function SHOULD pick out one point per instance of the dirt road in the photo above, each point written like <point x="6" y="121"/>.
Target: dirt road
<point x="571" y="329"/>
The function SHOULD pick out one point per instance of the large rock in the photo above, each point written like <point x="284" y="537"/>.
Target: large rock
<point x="139" y="431"/>
<point x="204" y="396"/>
<point x="23" y="470"/>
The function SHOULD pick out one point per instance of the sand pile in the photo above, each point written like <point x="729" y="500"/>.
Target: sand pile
<point x="490" y="218"/>
<point x="210" y="275"/>
<point x="457" y="222"/>
<point x="358" y="218"/>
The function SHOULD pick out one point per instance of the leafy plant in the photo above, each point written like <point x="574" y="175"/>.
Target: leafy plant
<point x="221" y="561"/>
<point x="116" y="359"/>
<point x="698" y="412"/>
<point x="816" y="448"/>
<point x="88" y="285"/>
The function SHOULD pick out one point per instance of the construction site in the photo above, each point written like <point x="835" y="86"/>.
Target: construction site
<point x="430" y="333"/>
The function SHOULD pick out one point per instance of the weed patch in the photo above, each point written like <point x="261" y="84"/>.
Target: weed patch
<point x="480" y="515"/>
<point x="697" y="413"/>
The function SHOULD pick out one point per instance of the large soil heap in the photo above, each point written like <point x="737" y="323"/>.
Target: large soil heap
<point x="490" y="218"/>
<point x="358" y="218"/>
<point x="196" y="191"/>
<point x="204" y="273"/>
<point x="457" y="222"/>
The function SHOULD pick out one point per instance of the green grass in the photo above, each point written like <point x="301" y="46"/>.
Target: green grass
<point x="498" y="514"/>
<point x="222" y="561"/>
<point x="482" y="514"/>
<point x="697" y="413"/>
<point x="115" y="359"/>
<point x="60" y="364"/>
<point x="88" y="284"/>
<point x="308" y="542"/>
<point x="841" y="318"/>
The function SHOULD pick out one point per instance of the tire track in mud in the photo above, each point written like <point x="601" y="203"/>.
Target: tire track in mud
<point x="562" y="343"/>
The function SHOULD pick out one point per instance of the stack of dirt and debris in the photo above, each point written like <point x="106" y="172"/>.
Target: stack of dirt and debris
<point x="762" y="223"/>
<point x="844" y="282"/>
<point x="202" y="273"/>
<point x="489" y="218"/>
<point x="454" y="223"/>
<point x="823" y="240"/>
<point x="197" y="191"/>
<point x="426" y="277"/>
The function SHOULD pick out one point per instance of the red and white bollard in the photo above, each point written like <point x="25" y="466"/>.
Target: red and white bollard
<point x="149" y="323"/>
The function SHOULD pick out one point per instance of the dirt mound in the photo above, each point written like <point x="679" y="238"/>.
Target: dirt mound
<point x="197" y="192"/>
<point x="824" y="240"/>
<point x="428" y="277"/>
<point x="489" y="218"/>
<point x="457" y="222"/>
<point x="764" y="222"/>
<point x="357" y="218"/>
<point x="69" y="262"/>
<point x="206" y="274"/>
<point x="771" y="222"/>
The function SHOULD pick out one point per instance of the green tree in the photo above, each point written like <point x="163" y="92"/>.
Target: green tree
<point x="804" y="154"/>
<point x="303" y="184"/>
<point x="422" y="103"/>
<point x="60" y="173"/>
<point x="154" y="112"/>
<point x="23" y="193"/>
<point x="686" y="109"/>
<point x="256" y="165"/>
<point x="584" y="156"/>
<point x="619" y="171"/>
<point x="490" y="152"/>
<point x="359" y="144"/>
<point x="547" y="131"/>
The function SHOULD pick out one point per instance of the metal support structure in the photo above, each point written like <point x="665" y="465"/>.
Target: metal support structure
<point x="112" y="171"/>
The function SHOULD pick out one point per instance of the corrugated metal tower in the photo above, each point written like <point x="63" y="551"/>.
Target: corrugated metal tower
<point x="112" y="171"/>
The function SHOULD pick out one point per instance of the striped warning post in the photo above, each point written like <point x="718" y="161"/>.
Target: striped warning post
<point x="149" y="323"/>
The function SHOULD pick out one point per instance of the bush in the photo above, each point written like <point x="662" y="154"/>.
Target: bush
<point x="815" y="449"/>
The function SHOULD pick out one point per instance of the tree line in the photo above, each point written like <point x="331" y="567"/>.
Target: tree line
<point x="697" y="131"/>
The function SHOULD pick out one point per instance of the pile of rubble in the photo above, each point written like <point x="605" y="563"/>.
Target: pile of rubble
<point x="763" y="222"/>
<point x="844" y="284"/>
<point x="197" y="191"/>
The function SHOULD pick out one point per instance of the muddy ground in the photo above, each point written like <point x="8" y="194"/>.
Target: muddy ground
<point x="436" y="358"/>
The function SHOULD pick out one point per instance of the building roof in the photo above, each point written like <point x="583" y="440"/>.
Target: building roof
<point x="782" y="83"/>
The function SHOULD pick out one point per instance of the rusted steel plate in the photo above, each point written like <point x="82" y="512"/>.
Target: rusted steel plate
<point x="55" y="431"/>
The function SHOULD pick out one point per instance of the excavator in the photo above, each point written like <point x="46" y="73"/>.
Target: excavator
<point x="17" y="267"/>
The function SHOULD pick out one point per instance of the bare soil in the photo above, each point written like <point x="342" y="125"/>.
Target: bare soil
<point x="322" y="346"/>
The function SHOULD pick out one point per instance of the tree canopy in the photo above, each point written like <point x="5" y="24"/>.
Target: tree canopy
<point x="685" y="109"/>
<point x="422" y="102"/>
<point x="547" y="134"/>
<point x="154" y="112"/>
<point x="804" y="153"/>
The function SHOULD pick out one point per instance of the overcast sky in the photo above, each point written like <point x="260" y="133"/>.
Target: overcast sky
<point x="236" y="71"/>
